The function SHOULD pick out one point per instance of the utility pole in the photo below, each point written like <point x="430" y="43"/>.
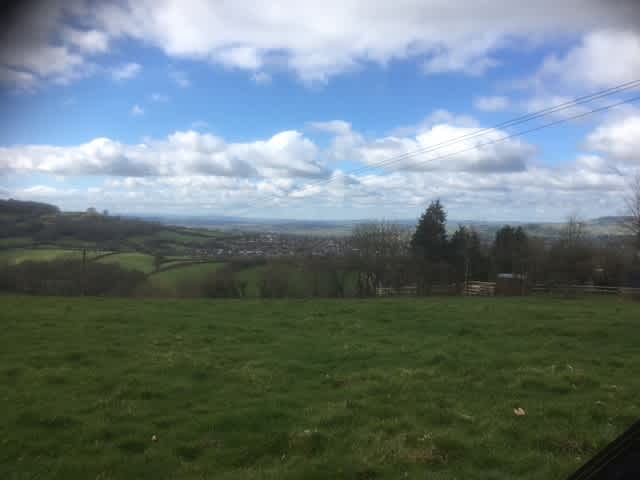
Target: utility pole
<point x="84" y="262"/>
<point x="466" y="270"/>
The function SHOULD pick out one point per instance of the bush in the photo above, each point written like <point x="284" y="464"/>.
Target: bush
<point x="275" y="282"/>
<point x="69" y="277"/>
<point x="222" y="284"/>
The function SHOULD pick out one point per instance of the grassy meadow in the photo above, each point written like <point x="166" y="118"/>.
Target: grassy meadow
<point x="19" y="255"/>
<point x="131" y="261"/>
<point x="353" y="389"/>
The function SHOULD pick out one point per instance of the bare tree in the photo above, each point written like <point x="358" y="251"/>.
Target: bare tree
<point x="573" y="233"/>
<point x="376" y="246"/>
<point x="572" y="256"/>
<point x="632" y="224"/>
<point x="381" y="239"/>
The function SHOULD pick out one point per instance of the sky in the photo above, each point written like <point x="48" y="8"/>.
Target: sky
<point x="346" y="109"/>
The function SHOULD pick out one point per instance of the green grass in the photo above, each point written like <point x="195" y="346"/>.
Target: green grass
<point x="195" y="236"/>
<point x="131" y="261"/>
<point x="352" y="389"/>
<point x="19" y="255"/>
<point x="172" y="279"/>
<point x="9" y="242"/>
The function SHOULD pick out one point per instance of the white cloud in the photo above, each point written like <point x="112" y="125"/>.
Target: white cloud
<point x="180" y="78"/>
<point x="317" y="40"/>
<point x="285" y="154"/>
<point x="486" y="153"/>
<point x="37" y="46"/>
<point x="245" y="57"/>
<point x="338" y="127"/>
<point x="89" y="41"/>
<point x="436" y="117"/>
<point x="555" y="106"/>
<point x="158" y="97"/>
<point x="126" y="71"/>
<point x="44" y="191"/>
<point x="136" y="110"/>
<point x="442" y="141"/>
<point x="261" y="78"/>
<point x="603" y="58"/>
<point x="539" y="192"/>
<point x="491" y="104"/>
<point x="200" y="125"/>
<point x="17" y="79"/>
<point x="192" y="171"/>
<point x="618" y="139"/>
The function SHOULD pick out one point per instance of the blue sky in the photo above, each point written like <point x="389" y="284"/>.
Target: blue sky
<point x="266" y="110"/>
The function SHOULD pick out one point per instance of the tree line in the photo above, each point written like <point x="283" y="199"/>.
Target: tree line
<point x="379" y="254"/>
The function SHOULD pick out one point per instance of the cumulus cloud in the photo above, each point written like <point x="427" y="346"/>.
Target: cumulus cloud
<point x="16" y="79"/>
<point x="443" y="141"/>
<point x="317" y="40"/>
<point x="36" y="45"/>
<point x="158" y="97"/>
<point x="603" y="58"/>
<point x="289" y="174"/>
<point x="126" y="71"/>
<point x="337" y="127"/>
<point x="90" y="41"/>
<point x="200" y="125"/>
<point x="261" y="78"/>
<point x="285" y="154"/>
<point x="492" y="103"/>
<point x="44" y="191"/>
<point x="618" y="139"/>
<point x="180" y="78"/>
<point x="479" y="155"/>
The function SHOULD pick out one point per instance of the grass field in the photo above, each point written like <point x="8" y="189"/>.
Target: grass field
<point x="172" y="279"/>
<point x="19" y="255"/>
<point x="415" y="388"/>
<point x="131" y="261"/>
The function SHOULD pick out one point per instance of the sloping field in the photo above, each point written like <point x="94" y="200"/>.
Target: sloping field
<point x="347" y="389"/>
<point x="19" y="255"/>
<point x="131" y="261"/>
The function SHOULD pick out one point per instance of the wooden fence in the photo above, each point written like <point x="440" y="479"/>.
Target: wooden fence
<point x="585" y="290"/>
<point x="408" y="291"/>
<point x="486" y="289"/>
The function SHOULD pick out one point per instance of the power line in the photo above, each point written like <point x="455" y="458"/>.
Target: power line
<point x="509" y="123"/>
<point x="535" y="129"/>
<point x="516" y="121"/>
<point x="524" y="132"/>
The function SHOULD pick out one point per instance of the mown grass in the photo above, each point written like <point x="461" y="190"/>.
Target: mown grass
<point x="353" y="389"/>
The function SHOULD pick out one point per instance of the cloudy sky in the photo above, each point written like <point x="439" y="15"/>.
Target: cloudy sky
<point x="320" y="110"/>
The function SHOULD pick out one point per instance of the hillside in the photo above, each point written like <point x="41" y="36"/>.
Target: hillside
<point x="31" y="224"/>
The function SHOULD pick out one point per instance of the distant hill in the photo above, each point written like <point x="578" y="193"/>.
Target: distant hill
<point x="602" y="226"/>
<point x="126" y="224"/>
<point x="29" y="209"/>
